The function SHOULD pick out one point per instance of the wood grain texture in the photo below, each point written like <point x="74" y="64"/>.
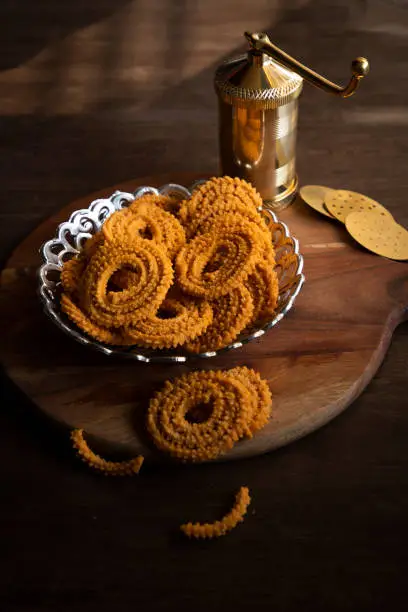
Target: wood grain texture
<point x="317" y="361"/>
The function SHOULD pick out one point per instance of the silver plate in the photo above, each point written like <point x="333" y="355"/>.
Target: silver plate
<point x="82" y="224"/>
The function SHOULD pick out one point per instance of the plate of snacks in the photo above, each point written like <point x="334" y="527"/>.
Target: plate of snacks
<point x="171" y="274"/>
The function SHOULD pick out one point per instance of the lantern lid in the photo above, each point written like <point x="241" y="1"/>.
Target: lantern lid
<point x="267" y="77"/>
<point x="258" y="81"/>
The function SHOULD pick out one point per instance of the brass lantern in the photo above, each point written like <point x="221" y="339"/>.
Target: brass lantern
<point x="258" y="106"/>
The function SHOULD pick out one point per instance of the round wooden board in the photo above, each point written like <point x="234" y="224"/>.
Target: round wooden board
<point x="317" y="360"/>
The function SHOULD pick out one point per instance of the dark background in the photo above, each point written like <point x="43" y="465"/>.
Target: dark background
<point x="96" y="92"/>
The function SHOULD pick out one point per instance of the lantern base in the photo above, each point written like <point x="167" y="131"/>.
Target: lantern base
<point x="284" y="199"/>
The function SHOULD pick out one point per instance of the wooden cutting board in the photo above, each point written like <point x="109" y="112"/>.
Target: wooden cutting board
<point x="317" y="360"/>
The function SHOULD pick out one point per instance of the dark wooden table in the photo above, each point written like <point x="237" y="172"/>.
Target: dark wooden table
<point x="94" y="93"/>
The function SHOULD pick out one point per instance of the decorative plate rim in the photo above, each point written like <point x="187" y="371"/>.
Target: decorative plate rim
<point x="94" y="214"/>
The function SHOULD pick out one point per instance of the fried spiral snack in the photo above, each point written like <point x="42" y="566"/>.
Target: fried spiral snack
<point x="226" y="524"/>
<point x="123" y="279"/>
<point x="109" y="468"/>
<point x="241" y="244"/>
<point x="161" y="201"/>
<point x="211" y="212"/>
<point x="71" y="274"/>
<point x="224" y="277"/>
<point x="231" y="408"/>
<point x="117" y="227"/>
<point x="176" y="322"/>
<point x="103" y="334"/>
<point x="219" y="188"/>
<point x="259" y="390"/>
<point x="114" y="310"/>
<point x="143" y="219"/>
<point x="169" y="203"/>
<point x="231" y="314"/>
<point x="263" y="286"/>
<point x="235" y="403"/>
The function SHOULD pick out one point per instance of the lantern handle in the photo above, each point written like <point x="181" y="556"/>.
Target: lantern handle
<point x="360" y="67"/>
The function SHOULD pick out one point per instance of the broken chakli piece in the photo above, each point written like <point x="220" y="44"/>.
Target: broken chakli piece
<point x="163" y="274"/>
<point x="108" y="468"/>
<point x="223" y="526"/>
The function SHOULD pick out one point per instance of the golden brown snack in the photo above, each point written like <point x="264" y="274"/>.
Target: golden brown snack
<point x="118" y="309"/>
<point x="125" y="271"/>
<point x="116" y="226"/>
<point x="219" y="188"/>
<point x="71" y="273"/>
<point x="143" y="219"/>
<point x="176" y="322"/>
<point x="109" y="468"/>
<point x="172" y="232"/>
<point x="231" y="314"/>
<point x="102" y="334"/>
<point x="263" y="286"/>
<point x="124" y="279"/>
<point x="241" y="243"/>
<point x="152" y="199"/>
<point x="229" y="407"/>
<point x="211" y="212"/>
<point x="170" y="204"/>
<point x="259" y="390"/>
<point x="226" y="524"/>
<point x="200" y="415"/>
